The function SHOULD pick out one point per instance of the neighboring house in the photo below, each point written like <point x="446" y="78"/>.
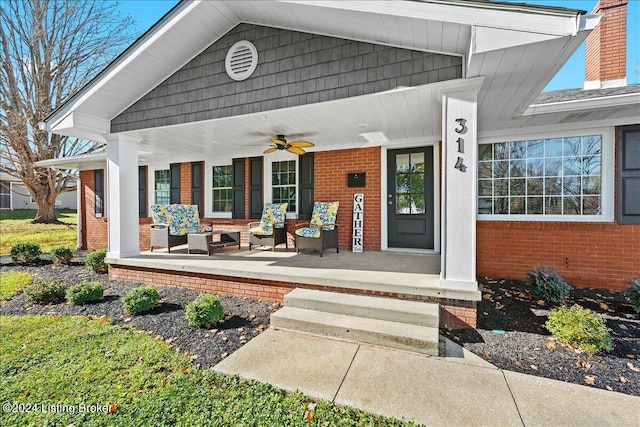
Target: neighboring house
<point x="14" y="195"/>
<point x="444" y="95"/>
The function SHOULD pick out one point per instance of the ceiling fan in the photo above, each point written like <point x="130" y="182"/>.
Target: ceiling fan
<point x="295" y="147"/>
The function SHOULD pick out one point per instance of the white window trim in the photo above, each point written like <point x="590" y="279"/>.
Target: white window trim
<point x="608" y="177"/>
<point x="208" y="176"/>
<point x="279" y="156"/>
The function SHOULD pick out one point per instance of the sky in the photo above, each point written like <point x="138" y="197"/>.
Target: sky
<point x="571" y="75"/>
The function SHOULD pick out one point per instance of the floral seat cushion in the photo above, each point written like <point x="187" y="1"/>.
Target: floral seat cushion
<point x="181" y="219"/>
<point x="273" y="215"/>
<point x="323" y="217"/>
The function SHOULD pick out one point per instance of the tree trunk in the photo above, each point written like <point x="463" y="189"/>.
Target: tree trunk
<point x="46" y="213"/>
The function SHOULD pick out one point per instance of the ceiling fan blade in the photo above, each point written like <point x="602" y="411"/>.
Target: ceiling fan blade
<point x="296" y="150"/>
<point x="302" y="144"/>
<point x="269" y="150"/>
<point x="278" y="141"/>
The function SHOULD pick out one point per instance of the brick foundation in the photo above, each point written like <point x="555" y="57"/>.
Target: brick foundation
<point x="600" y="255"/>
<point x="454" y="314"/>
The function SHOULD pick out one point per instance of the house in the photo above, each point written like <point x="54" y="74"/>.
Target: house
<point x="14" y="195"/>
<point x="437" y="104"/>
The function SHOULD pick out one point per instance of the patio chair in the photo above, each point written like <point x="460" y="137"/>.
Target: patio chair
<point x="271" y="230"/>
<point x="172" y="223"/>
<point x="322" y="231"/>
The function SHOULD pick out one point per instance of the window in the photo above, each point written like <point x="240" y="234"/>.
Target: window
<point x="222" y="188"/>
<point x="410" y="189"/>
<point x="555" y="176"/>
<point x="98" y="191"/>
<point x="162" y="186"/>
<point x="283" y="183"/>
<point x="5" y="196"/>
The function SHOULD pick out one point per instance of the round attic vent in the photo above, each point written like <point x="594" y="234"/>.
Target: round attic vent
<point x="241" y="60"/>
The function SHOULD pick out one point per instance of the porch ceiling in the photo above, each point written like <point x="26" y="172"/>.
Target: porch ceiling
<point x="405" y="116"/>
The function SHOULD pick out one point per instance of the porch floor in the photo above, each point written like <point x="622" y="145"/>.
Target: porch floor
<point x="409" y="274"/>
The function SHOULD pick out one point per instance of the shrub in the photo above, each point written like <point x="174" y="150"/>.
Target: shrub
<point x="41" y="292"/>
<point x="61" y="255"/>
<point x="545" y="283"/>
<point x="140" y="299"/>
<point x="633" y="294"/>
<point x="25" y="253"/>
<point x="580" y="328"/>
<point x="204" y="309"/>
<point x="84" y="292"/>
<point x="13" y="282"/>
<point x="95" y="261"/>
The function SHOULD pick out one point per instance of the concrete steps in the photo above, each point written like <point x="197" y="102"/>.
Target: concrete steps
<point x="388" y="322"/>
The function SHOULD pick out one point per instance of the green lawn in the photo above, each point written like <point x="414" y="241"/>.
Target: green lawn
<point x="16" y="227"/>
<point x="65" y="362"/>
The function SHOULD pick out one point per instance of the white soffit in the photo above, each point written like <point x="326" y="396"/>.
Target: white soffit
<point x="485" y="39"/>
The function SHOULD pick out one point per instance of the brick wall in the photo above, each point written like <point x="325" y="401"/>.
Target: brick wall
<point x="606" y="45"/>
<point x="330" y="184"/>
<point x="454" y="314"/>
<point x="94" y="230"/>
<point x="185" y="183"/>
<point x="602" y="255"/>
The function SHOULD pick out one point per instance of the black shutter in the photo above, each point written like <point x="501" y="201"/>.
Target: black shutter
<point x="305" y="186"/>
<point x="255" y="187"/>
<point x="197" y="182"/>
<point x="142" y="191"/>
<point x="98" y="191"/>
<point x="238" y="189"/>
<point x="174" y="172"/>
<point x="629" y="174"/>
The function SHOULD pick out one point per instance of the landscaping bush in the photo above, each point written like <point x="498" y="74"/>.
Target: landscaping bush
<point x="41" y="292"/>
<point x="13" y="282"/>
<point x="84" y="292"/>
<point x="140" y="299"/>
<point x="545" y="283"/>
<point x="25" y="253"/>
<point x="95" y="261"/>
<point x="580" y="328"/>
<point x="205" y="309"/>
<point x="633" y="294"/>
<point x="61" y="255"/>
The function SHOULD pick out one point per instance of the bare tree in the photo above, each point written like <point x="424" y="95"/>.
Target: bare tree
<point x="49" y="49"/>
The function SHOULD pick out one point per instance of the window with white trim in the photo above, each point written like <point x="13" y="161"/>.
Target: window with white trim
<point x="222" y="188"/>
<point x="541" y="177"/>
<point x="283" y="183"/>
<point x="162" y="186"/>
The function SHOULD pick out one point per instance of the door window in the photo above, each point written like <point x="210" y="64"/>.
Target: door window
<point x="410" y="184"/>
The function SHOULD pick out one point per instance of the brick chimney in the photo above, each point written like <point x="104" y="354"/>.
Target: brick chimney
<point x="606" y="61"/>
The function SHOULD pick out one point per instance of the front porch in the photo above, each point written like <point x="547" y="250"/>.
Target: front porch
<point x="269" y="275"/>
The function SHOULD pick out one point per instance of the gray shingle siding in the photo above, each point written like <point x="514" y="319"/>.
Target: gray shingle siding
<point x="293" y="69"/>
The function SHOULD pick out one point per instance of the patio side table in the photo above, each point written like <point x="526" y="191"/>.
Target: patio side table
<point x="200" y="242"/>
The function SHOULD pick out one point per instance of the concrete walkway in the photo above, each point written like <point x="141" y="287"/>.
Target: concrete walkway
<point x="460" y="389"/>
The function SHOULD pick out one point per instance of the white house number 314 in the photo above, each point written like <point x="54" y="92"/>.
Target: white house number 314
<point x="461" y="129"/>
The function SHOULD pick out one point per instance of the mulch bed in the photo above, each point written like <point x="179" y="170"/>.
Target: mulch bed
<point x="512" y="336"/>
<point x="244" y="318"/>
<point x="510" y="333"/>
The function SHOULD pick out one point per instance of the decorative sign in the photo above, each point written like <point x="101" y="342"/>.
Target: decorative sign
<point x="358" y="220"/>
<point x="461" y="129"/>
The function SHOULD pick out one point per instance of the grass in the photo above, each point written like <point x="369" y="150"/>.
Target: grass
<point x="13" y="282"/>
<point x="61" y="360"/>
<point x="16" y="227"/>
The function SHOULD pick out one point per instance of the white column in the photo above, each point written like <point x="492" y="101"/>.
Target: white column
<point x="459" y="153"/>
<point x="122" y="196"/>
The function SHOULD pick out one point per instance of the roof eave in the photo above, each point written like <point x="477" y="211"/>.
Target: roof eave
<point x="584" y="104"/>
